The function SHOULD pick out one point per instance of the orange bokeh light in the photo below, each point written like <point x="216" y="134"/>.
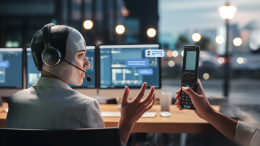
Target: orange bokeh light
<point x="225" y="60"/>
<point x="169" y="53"/>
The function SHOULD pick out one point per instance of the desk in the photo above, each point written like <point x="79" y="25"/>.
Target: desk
<point x="185" y="121"/>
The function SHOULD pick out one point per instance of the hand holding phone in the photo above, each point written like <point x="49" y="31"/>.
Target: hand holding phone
<point x="199" y="100"/>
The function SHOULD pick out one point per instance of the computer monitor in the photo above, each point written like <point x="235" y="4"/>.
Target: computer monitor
<point x="115" y="72"/>
<point x="11" y="71"/>
<point x="87" y="88"/>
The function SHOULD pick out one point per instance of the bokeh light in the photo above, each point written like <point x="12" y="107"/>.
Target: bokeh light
<point x="237" y="42"/>
<point x="151" y="32"/>
<point x="120" y="29"/>
<point x="124" y="11"/>
<point x="240" y="60"/>
<point x="219" y="39"/>
<point x="227" y="12"/>
<point x="171" y="63"/>
<point x="169" y="53"/>
<point x="182" y="53"/>
<point x="221" y="60"/>
<point x="175" y="53"/>
<point x="196" y="37"/>
<point x="88" y="24"/>
<point x="205" y="76"/>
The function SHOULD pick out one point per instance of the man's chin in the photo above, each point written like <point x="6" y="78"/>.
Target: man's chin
<point x="79" y="83"/>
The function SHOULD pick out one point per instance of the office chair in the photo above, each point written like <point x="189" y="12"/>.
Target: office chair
<point x="75" y="137"/>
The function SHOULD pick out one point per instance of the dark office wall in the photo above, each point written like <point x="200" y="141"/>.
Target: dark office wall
<point x="21" y="19"/>
<point x="147" y="13"/>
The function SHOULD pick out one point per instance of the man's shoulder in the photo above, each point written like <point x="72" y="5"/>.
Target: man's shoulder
<point x="70" y="95"/>
<point x="22" y="92"/>
<point x="82" y="98"/>
<point x="20" y="95"/>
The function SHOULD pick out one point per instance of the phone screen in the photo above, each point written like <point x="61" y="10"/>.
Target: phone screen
<point x="190" y="60"/>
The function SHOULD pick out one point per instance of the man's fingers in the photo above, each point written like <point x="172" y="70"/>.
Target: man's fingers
<point x="125" y="96"/>
<point x="178" y="102"/>
<point x="141" y="93"/>
<point x="179" y="91"/>
<point x="150" y="105"/>
<point x="189" y="91"/>
<point x="200" y="88"/>
<point x="148" y="97"/>
<point x="178" y="96"/>
<point x="150" y="100"/>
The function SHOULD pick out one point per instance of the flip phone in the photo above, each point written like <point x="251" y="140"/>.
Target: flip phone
<point x="191" y="55"/>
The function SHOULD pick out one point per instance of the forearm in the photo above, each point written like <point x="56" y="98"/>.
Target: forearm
<point x="223" y="124"/>
<point x="125" y="130"/>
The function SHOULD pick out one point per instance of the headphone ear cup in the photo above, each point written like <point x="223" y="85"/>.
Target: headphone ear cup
<point x="51" y="57"/>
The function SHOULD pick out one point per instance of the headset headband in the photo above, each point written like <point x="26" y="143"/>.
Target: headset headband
<point x="45" y="33"/>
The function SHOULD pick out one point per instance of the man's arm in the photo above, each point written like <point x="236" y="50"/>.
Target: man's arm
<point x="131" y="111"/>
<point x="222" y="123"/>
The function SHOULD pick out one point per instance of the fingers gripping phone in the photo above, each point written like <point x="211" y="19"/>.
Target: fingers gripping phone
<point x="189" y="74"/>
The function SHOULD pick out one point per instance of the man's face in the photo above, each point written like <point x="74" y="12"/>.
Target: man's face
<point x="81" y="62"/>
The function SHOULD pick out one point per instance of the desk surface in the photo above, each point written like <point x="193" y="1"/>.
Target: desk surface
<point x="185" y="121"/>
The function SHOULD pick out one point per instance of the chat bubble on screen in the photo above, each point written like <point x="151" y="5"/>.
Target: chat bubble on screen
<point x="137" y="63"/>
<point x="154" y="53"/>
<point x="4" y="64"/>
<point x="145" y="71"/>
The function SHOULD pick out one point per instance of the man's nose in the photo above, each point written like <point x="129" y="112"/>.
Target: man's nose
<point x="86" y="64"/>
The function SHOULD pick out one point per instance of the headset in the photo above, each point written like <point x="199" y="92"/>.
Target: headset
<point x="52" y="56"/>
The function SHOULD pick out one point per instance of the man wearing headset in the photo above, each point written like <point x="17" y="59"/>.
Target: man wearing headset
<point x="59" y="53"/>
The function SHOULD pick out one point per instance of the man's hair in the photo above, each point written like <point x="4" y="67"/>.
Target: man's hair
<point x="58" y="35"/>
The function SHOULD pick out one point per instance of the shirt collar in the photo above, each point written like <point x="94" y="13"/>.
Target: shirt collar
<point x="46" y="81"/>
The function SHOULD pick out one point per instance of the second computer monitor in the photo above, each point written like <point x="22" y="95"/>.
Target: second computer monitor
<point x="11" y="71"/>
<point x="127" y="65"/>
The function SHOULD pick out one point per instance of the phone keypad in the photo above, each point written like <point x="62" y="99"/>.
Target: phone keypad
<point x="185" y="99"/>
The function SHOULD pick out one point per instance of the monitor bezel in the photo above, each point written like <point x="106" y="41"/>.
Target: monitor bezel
<point x="26" y="69"/>
<point x="131" y="87"/>
<point x="22" y="85"/>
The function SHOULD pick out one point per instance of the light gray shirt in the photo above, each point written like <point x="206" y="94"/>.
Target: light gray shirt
<point x="247" y="135"/>
<point x="52" y="104"/>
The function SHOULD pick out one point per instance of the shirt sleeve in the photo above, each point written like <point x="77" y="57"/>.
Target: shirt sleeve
<point x="247" y="135"/>
<point x="91" y="116"/>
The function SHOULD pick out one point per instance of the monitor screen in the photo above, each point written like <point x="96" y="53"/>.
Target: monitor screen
<point x="33" y="74"/>
<point x="190" y="60"/>
<point x="127" y="65"/>
<point x="11" y="67"/>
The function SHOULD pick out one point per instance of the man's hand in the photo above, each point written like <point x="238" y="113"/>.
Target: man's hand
<point x="131" y="111"/>
<point x="199" y="100"/>
<point x="224" y="124"/>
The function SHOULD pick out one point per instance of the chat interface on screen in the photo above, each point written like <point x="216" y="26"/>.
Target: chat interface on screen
<point x="126" y="65"/>
<point x="11" y="67"/>
<point x="33" y="74"/>
<point x="190" y="60"/>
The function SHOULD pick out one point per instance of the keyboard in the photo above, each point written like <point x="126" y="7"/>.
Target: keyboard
<point x="117" y="114"/>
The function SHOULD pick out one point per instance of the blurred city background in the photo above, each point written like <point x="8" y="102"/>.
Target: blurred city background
<point x="172" y="23"/>
<point x="230" y="48"/>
